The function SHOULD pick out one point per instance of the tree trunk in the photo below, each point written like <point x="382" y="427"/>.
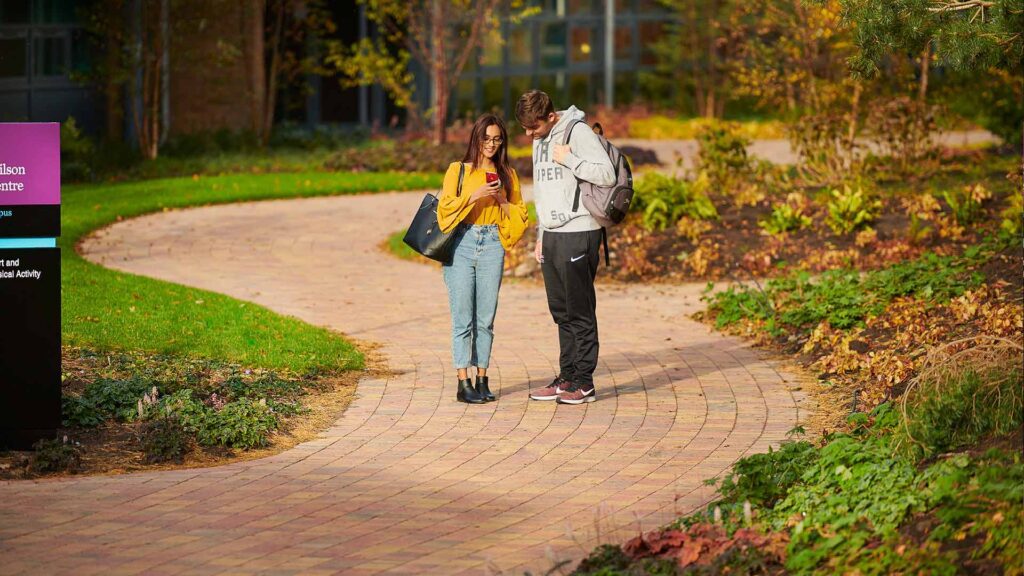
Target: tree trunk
<point x="164" y="85"/>
<point x="253" y="11"/>
<point x="440" y="66"/>
<point x="922" y="88"/>
<point x="112" y="90"/>
<point x="851" y="129"/>
<point x="712" y="89"/>
<point x="696" y="63"/>
<point x="270" y="100"/>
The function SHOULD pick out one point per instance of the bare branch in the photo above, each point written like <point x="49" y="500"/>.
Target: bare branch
<point x="953" y="5"/>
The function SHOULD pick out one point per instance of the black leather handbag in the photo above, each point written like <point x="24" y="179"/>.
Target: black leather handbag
<point x="424" y="234"/>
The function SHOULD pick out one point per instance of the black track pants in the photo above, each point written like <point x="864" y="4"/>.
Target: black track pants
<point x="570" y="266"/>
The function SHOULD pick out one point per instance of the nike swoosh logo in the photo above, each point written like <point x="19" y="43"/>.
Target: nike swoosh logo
<point x="576" y="258"/>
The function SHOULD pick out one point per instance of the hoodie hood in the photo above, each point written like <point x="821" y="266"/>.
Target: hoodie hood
<point x="564" y="117"/>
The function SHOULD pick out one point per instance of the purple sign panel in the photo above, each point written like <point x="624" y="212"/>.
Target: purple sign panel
<point x="30" y="362"/>
<point x="29" y="180"/>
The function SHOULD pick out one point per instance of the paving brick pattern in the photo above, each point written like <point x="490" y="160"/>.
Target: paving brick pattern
<point x="408" y="480"/>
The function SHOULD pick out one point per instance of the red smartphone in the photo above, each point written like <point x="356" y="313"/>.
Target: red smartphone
<point x="491" y="177"/>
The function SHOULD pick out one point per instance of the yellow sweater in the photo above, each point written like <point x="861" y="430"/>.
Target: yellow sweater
<point x="452" y="209"/>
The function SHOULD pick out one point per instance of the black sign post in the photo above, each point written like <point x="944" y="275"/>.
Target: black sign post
<point x="30" y="310"/>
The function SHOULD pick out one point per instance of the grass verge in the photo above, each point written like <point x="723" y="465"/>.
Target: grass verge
<point x="108" y="310"/>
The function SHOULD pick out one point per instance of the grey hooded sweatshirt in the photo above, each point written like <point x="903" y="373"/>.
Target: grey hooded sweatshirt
<point x="554" y="184"/>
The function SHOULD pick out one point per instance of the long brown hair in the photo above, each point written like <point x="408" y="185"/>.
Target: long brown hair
<point x="500" y="159"/>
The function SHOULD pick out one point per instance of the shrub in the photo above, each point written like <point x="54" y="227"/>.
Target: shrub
<point x="850" y="209"/>
<point x="267" y="385"/>
<point x="210" y="142"/>
<point x="1013" y="216"/>
<point x="104" y="399"/>
<point x="164" y="439"/>
<point x="932" y="277"/>
<point x="763" y="479"/>
<point x="80" y="412"/>
<point x="723" y="153"/>
<point x="664" y="200"/>
<point x="788" y="216"/>
<point x="904" y="130"/>
<point x="386" y="156"/>
<point x="657" y="127"/>
<point x="191" y="413"/>
<point x="244" y="423"/>
<point x="843" y="297"/>
<point x="962" y="396"/>
<point x="966" y="203"/>
<point x="55" y="456"/>
<point x="76" y="152"/>
<point x="826" y="154"/>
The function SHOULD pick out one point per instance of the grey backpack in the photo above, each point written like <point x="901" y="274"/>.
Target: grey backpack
<point x="607" y="204"/>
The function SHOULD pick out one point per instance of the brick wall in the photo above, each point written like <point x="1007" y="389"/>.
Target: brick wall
<point x="212" y="59"/>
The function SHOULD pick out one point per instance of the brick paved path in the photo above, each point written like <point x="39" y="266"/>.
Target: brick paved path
<point x="408" y="480"/>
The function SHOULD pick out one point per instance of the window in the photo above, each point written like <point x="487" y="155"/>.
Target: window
<point x="623" y="42"/>
<point x="465" y="99"/>
<point x="50" y="55"/>
<point x="491" y="51"/>
<point x="578" y="7"/>
<point x="14" y="11"/>
<point x="649" y="6"/>
<point x="13" y="60"/>
<point x="494" y="93"/>
<point x="53" y="12"/>
<point x="579" y="90"/>
<point x="625" y="85"/>
<point x="520" y="45"/>
<point x="552" y="48"/>
<point x="553" y="85"/>
<point x="651" y="32"/>
<point x="518" y="85"/>
<point x="582" y="47"/>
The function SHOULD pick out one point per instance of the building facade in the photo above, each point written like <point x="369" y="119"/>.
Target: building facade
<point x="584" y="52"/>
<point x="42" y="47"/>
<point x="562" y="49"/>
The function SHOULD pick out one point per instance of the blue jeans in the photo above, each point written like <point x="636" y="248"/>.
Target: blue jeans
<point x="473" y="279"/>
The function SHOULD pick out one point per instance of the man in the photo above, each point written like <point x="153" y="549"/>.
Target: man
<point x="568" y="239"/>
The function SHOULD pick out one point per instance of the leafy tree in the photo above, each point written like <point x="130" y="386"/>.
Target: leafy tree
<point x="966" y="34"/>
<point x="700" y="50"/>
<point x="793" y="55"/>
<point x="981" y="38"/>
<point x="440" y="35"/>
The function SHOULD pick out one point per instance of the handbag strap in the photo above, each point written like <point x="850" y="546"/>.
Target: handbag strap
<point x="462" y="171"/>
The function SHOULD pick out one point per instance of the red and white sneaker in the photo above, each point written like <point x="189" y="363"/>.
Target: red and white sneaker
<point x="578" y="394"/>
<point x="551" y="392"/>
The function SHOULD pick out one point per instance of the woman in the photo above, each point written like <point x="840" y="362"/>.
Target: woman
<point x="489" y="217"/>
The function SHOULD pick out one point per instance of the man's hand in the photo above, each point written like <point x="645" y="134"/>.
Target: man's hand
<point x="538" y="252"/>
<point x="560" y="152"/>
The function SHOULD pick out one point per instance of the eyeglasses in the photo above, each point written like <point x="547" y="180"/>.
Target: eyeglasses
<point x="497" y="140"/>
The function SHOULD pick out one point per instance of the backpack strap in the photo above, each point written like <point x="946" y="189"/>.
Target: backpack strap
<point x="568" y="130"/>
<point x="604" y="240"/>
<point x="565" y="142"/>
<point x="462" y="171"/>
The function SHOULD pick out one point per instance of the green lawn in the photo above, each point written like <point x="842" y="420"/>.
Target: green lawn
<point x="104" y="309"/>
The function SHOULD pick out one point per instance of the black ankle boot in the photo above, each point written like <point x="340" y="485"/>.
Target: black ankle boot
<point x="483" y="390"/>
<point x="467" y="394"/>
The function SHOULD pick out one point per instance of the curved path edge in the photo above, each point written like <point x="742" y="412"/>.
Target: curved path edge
<point x="408" y="480"/>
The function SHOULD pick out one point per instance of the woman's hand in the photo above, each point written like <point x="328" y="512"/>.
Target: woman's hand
<point x="484" y="191"/>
